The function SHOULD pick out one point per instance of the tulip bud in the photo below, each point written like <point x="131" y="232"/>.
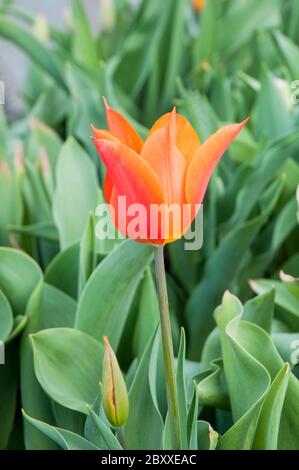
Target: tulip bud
<point x="115" y="397"/>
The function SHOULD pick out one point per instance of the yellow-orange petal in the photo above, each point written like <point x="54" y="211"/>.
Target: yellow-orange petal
<point x="122" y="129"/>
<point x="207" y="157"/>
<point x="186" y="138"/>
<point x="103" y="134"/>
<point x="162" y="155"/>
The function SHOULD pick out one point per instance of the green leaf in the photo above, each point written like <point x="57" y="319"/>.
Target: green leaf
<point x="283" y="298"/>
<point x="19" y="275"/>
<point x="260" y="310"/>
<point x="75" y="194"/>
<point x="65" y="439"/>
<point x="143" y="404"/>
<point x="242" y="19"/>
<point x="273" y="109"/>
<point x="87" y="257"/>
<point x="83" y="44"/>
<point x="32" y="395"/>
<point x="45" y="230"/>
<point x="105" y="301"/>
<point x="247" y="379"/>
<point x="68" y="366"/>
<point x="206" y="39"/>
<point x="207" y="438"/>
<point x="148" y="313"/>
<point x="110" y="440"/>
<point x="192" y="421"/>
<point x="289" y="51"/>
<point x="58" y="309"/>
<point x="63" y="270"/>
<point x="266" y="436"/>
<point x="6" y="317"/>
<point x="228" y="255"/>
<point x="212" y="388"/>
<point x="181" y="390"/>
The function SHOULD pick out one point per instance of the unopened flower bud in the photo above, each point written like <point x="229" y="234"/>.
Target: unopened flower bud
<point x="115" y="396"/>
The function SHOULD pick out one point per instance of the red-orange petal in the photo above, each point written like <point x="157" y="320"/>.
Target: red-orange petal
<point x="186" y="139"/>
<point x="207" y="157"/>
<point x="133" y="178"/>
<point x="162" y="155"/>
<point x="122" y="129"/>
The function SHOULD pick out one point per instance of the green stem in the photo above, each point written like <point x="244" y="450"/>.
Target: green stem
<point x="172" y="397"/>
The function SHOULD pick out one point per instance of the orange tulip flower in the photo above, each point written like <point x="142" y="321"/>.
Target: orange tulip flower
<point x="171" y="168"/>
<point x="198" y="4"/>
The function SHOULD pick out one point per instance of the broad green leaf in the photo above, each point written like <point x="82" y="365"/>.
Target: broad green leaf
<point x="105" y="301"/>
<point x="212" y="387"/>
<point x="32" y="395"/>
<point x="58" y="309"/>
<point x="6" y="317"/>
<point x="65" y="439"/>
<point x="68" y="366"/>
<point x="245" y="377"/>
<point x="63" y="271"/>
<point x="19" y="275"/>
<point x="75" y="194"/>
<point x="260" y="310"/>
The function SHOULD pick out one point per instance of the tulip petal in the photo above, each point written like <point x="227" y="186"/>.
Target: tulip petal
<point x="186" y="139"/>
<point x="122" y="129"/>
<point x="103" y="134"/>
<point x="162" y="155"/>
<point x="131" y="177"/>
<point x="207" y="157"/>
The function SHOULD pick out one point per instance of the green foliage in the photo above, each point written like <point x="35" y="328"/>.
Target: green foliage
<point x="62" y="289"/>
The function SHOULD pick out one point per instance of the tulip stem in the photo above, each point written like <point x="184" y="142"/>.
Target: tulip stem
<point x="167" y="344"/>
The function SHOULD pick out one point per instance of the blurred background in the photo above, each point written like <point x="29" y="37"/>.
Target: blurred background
<point x="13" y="62"/>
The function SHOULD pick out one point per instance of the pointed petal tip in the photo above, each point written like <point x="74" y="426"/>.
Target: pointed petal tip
<point x="105" y="103"/>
